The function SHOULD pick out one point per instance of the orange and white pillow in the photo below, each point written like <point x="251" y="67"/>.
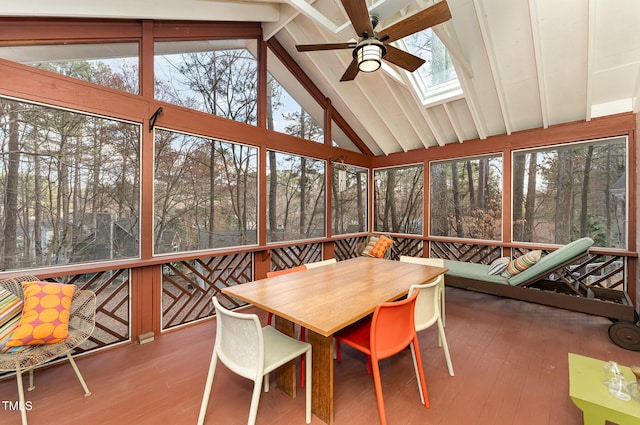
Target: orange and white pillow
<point x="45" y="314"/>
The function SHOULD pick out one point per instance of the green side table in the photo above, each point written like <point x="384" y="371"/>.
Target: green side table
<point x="592" y="397"/>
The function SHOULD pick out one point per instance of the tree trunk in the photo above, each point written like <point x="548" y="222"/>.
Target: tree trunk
<point x="360" y="203"/>
<point x="303" y="194"/>
<point x="391" y="212"/>
<point x="273" y="192"/>
<point x="585" y="192"/>
<point x="530" y="202"/>
<point x="564" y="198"/>
<point x="456" y="200"/>
<point x="11" y="192"/>
<point x="472" y="195"/>
<point x="212" y="198"/>
<point x="438" y="213"/>
<point x="517" y="197"/>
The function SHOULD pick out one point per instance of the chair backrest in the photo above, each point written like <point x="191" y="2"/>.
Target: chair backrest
<point x="392" y="327"/>
<point x="320" y="263"/>
<point x="14" y="284"/>
<point x="239" y="342"/>
<point x="427" y="305"/>
<point x="436" y="262"/>
<point x="286" y="271"/>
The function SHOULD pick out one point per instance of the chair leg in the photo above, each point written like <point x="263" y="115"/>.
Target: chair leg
<point x="417" y="365"/>
<point x="255" y="401"/>
<point x="31" y="386"/>
<point x="303" y="337"/>
<point x="308" y="389"/>
<point x="379" y="398"/>
<point x="21" y="401"/>
<point x="445" y="346"/>
<point x="207" y="388"/>
<point x="87" y="393"/>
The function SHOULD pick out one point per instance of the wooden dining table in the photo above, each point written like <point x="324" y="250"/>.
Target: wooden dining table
<point x="324" y="300"/>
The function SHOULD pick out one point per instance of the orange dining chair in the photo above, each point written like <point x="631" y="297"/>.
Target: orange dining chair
<point x="303" y="333"/>
<point x="388" y="332"/>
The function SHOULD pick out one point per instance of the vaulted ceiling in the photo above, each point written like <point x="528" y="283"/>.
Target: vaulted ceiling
<point x="521" y="64"/>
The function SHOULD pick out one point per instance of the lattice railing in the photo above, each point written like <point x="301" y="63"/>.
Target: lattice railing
<point x="296" y="255"/>
<point x="188" y="286"/>
<point x="471" y="253"/>
<point x="406" y="246"/>
<point x="601" y="271"/>
<point x="113" y="294"/>
<point x="347" y="248"/>
<point x="594" y="271"/>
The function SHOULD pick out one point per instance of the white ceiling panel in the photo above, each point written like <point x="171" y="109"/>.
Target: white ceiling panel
<point x="521" y="64"/>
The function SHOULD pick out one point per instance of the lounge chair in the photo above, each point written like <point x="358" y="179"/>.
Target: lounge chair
<point x="550" y="281"/>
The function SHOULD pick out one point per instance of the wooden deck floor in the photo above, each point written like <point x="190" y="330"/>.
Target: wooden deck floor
<point x="510" y="361"/>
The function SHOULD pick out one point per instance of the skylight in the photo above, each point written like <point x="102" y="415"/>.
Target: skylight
<point x="437" y="78"/>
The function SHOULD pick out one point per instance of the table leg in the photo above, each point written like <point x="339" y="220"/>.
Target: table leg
<point x="322" y="376"/>
<point x="286" y="374"/>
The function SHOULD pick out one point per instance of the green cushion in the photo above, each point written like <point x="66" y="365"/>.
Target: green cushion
<point x="472" y="271"/>
<point x="553" y="260"/>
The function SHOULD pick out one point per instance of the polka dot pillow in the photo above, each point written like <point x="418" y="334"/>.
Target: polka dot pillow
<point x="45" y="314"/>
<point x="380" y="247"/>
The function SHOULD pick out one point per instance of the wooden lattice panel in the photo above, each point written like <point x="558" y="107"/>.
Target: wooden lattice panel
<point x="188" y="286"/>
<point x="470" y="253"/>
<point x="406" y="246"/>
<point x="347" y="248"/>
<point x="112" y="289"/>
<point x="291" y="256"/>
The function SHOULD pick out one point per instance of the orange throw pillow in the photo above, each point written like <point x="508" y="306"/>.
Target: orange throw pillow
<point x="45" y="315"/>
<point x="380" y="247"/>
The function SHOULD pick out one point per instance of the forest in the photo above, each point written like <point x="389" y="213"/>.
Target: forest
<point x="71" y="182"/>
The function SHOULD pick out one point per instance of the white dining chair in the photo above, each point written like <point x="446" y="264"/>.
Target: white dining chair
<point x="320" y="263"/>
<point x="435" y="262"/>
<point x="252" y="351"/>
<point x="427" y="313"/>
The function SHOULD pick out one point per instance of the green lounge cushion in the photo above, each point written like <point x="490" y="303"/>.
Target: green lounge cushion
<point x="472" y="271"/>
<point x="546" y="265"/>
<point x="553" y="260"/>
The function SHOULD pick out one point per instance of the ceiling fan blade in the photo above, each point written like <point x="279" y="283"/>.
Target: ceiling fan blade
<point x="351" y="72"/>
<point x="359" y="16"/>
<point x="327" y="46"/>
<point x="403" y="59"/>
<point x="434" y="15"/>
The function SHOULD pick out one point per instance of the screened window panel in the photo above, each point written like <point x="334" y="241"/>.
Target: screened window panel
<point x="295" y="197"/>
<point x="219" y="77"/>
<point x="205" y="193"/>
<point x="350" y="195"/>
<point x="466" y="198"/>
<point x="399" y="205"/>
<point x="70" y="186"/>
<point x="113" y="65"/>
<point x="566" y="192"/>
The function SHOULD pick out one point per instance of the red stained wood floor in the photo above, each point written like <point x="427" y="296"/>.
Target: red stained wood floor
<point x="509" y="357"/>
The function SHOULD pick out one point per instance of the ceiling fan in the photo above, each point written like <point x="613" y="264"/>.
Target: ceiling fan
<point x="373" y="46"/>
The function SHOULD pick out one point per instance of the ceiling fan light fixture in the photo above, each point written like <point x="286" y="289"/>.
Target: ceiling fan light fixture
<point x="369" y="55"/>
